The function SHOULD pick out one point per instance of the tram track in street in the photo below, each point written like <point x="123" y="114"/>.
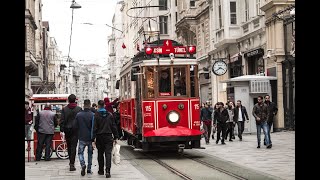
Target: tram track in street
<point x="184" y="175"/>
<point x="215" y="167"/>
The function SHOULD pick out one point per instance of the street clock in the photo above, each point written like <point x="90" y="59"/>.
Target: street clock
<point x="219" y="67"/>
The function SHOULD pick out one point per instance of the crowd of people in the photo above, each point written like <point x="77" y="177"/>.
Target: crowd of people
<point x="223" y="119"/>
<point x="93" y="126"/>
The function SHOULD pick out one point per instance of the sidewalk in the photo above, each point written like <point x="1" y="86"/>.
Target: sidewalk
<point x="58" y="169"/>
<point x="278" y="161"/>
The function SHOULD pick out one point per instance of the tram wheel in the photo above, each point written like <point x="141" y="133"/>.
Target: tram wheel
<point x="62" y="151"/>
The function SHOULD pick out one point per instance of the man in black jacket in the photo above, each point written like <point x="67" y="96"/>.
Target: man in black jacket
<point x="272" y="108"/>
<point x="68" y="115"/>
<point x="104" y="135"/>
<point x="221" y="116"/>
<point x="240" y="115"/>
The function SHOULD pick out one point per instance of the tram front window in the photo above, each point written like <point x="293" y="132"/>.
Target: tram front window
<point x="165" y="82"/>
<point x="179" y="81"/>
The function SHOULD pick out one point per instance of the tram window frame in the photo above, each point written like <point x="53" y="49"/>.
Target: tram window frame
<point x="185" y="67"/>
<point x="147" y="77"/>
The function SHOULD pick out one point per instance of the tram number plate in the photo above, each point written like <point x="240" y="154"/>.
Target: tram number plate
<point x="148" y="125"/>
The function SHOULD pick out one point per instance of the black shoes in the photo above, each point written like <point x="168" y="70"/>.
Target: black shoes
<point x="83" y="170"/>
<point x="108" y="173"/>
<point x="233" y="137"/>
<point x="217" y="142"/>
<point x="89" y="171"/>
<point x="48" y="159"/>
<point x="72" y="168"/>
<point x="230" y="140"/>
<point x="269" y="146"/>
<point x="100" y="172"/>
<point x="223" y="143"/>
<point x="258" y="146"/>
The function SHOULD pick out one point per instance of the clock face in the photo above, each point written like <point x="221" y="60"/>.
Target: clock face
<point x="219" y="68"/>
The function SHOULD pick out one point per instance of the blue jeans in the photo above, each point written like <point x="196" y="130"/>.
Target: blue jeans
<point x="265" y="128"/>
<point x="82" y="145"/>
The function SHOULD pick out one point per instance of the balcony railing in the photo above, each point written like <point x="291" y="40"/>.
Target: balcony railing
<point x="261" y="86"/>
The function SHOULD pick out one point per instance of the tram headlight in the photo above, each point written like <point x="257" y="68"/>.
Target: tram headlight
<point x="173" y="117"/>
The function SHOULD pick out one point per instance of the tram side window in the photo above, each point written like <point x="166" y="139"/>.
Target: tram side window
<point x="150" y="82"/>
<point x="129" y="85"/>
<point x="192" y="81"/>
<point x="164" y="81"/>
<point x="179" y="78"/>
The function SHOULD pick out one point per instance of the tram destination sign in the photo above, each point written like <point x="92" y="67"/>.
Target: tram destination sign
<point x="167" y="48"/>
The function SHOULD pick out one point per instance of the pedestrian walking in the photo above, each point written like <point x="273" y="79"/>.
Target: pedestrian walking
<point x="273" y="109"/>
<point x="28" y="121"/>
<point x="45" y="123"/>
<point x="206" y="119"/>
<point x="261" y="114"/>
<point x="84" y="122"/>
<point x="221" y="116"/>
<point x="240" y="115"/>
<point x="104" y="136"/>
<point x="68" y="115"/>
<point x="109" y="105"/>
<point x="230" y="122"/>
<point x="94" y="107"/>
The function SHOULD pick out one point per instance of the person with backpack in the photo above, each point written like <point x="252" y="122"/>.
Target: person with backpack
<point x="105" y="134"/>
<point x="67" y="122"/>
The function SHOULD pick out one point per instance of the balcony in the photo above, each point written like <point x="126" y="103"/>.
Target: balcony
<point x="30" y="63"/>
<point x="259" y="86"/>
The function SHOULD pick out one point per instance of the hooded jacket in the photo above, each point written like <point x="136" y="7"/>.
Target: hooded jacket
<point x="68" y="115"/>
<point x="104" y="124"/>
<point x="108" y="104"/>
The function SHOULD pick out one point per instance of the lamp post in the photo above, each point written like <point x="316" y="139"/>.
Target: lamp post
<point x="73" y="6"/>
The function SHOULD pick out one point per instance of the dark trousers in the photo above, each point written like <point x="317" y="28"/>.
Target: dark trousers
<point x="221" y="127"/>
<point x="207" y="129"/>
<point x="43" y="139"/>
<point x="71" y="136"/>
<point x="240" y="128"/>
<point x="119" y="130"/>
<point x="104" y="143"/>
<point x="230" y="130"/>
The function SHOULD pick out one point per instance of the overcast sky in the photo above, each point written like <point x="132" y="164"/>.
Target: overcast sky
<point x="89" y="42"/>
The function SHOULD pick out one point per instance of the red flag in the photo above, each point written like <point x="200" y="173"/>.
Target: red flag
<point x="123" y="46"/>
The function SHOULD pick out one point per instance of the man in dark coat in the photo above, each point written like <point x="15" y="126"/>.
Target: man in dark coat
<point x="104" y="136"/>
<point x="261" y="113"/>
<point x="68" y="115"/>
<point x="240" y="115"/>
<point x="272" y="108"/>
<point x="221" y="116"/>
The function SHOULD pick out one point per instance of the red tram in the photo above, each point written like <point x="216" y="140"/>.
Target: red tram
<point x="159" y="97"/>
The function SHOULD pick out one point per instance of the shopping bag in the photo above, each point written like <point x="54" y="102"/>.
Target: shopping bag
<point x="116" y="154"/>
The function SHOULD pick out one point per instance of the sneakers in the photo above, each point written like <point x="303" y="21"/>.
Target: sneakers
<point x="83" y="170"/>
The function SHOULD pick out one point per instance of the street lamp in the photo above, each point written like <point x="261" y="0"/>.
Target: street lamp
<point x="73" y="6"/>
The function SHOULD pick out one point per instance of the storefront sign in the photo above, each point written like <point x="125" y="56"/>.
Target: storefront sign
<point x="254" y="53"/>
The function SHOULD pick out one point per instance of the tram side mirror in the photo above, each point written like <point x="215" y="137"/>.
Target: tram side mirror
<point x="134" y="75"/>
<point x="117" y="84"/>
